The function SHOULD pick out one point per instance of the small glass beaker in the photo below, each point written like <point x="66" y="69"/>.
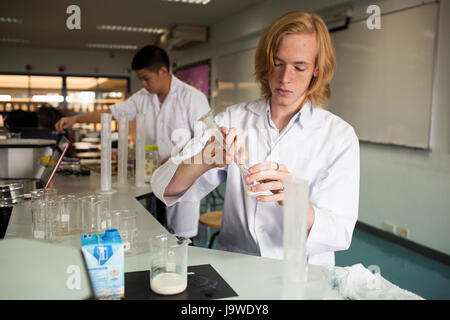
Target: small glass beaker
<point x="49" y="194"/>
<point x="69" y="216"/>
<point x="44" y="220"/>
<point x="95" y="214"/>
<point x="124" y="221"/>
<point x="36" y="194"/>
<point x="168" y="264"/>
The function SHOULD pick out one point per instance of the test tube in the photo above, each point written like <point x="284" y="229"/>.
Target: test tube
<point x="294" y="238"/>
<point x="105" y="166"/>
<point x="123" y="150"/>
<point x="140" y="150"/>
<point x="208" y="120"/>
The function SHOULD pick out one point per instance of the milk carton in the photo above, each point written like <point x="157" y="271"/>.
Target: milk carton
<point x="104" y="258"/>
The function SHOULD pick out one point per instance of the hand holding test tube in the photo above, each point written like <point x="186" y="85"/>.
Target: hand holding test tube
<point x="232" y="143"/>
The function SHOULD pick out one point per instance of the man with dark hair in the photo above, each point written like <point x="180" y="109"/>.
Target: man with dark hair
<point x="151" y="58"/>
<point x="171" y="108"/>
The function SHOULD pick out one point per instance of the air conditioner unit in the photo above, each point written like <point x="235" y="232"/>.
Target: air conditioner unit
<point x="180" y="37"/>
<point x="337" y="19"/>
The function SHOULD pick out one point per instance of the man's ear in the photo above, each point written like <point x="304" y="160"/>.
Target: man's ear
<point x="163" y="70"/>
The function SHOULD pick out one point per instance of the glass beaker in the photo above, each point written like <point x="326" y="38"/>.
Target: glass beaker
<point x="36" y="194"/>
<point x="124" y="221"/>
<point x="44" y="220"/>
<point x="69" y="217"/>
<point x="168" y="264"/>
<point x="95" y="214"/>
<point x="49" y="194"/>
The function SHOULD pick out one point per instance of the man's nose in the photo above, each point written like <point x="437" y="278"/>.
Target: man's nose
<point x="286" y="75"/>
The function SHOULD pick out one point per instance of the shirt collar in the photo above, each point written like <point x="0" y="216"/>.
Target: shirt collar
<point x="304" y="117"/>
<point x="308" y="116"/>
<point x="269" y="119"/>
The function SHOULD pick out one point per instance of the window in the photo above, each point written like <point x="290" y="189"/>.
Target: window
<point x="72" y="94"/>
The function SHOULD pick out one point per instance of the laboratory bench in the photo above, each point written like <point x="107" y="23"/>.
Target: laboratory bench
<point x="32" y="269"/>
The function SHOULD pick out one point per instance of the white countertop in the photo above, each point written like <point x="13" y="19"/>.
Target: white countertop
<point x="251" y="277"/>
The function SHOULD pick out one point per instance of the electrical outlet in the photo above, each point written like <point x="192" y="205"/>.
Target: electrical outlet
<point x="389" y="226"/>
<point x="402" y="232"/>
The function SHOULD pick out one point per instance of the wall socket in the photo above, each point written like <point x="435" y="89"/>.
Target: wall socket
<point x="389" y="226"/>
<point x="402" y="232"/>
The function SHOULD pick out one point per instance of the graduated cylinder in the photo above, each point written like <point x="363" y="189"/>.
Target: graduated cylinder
<point x="105" y="169"/>
<point x="122" y="165"/>
<point x="294" y="237"/>
<point x="140" y="150"/>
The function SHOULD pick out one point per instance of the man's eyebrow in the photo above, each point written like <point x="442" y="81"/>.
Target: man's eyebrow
<point x="295" y="62"/>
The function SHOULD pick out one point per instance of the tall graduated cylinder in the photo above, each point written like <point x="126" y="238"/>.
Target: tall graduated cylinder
<point x="140" y="150"/>
<point x="105" y="166"/>
<point x="122" y="163"/>
<point x="168" y="264"/>
<point x="295" y="221"/>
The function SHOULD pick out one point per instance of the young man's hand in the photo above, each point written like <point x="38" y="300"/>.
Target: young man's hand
<point x="65" y="123"/>
<point x="270" y="176"/>
<point x="221" y="153"/>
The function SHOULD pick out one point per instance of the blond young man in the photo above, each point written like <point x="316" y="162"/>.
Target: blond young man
<point x="295" y="137"/>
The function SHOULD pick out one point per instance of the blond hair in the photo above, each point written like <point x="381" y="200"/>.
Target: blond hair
<point x="291" y="23"/>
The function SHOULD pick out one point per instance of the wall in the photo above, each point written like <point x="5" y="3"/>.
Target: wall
<point x="409" y="188"/>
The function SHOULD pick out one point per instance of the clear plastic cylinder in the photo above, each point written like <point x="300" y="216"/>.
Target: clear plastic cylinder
<point x="122" y="161"/>
<point x="105" y="168"/>
<point x="140" y="150"/>
<point x="295" y="220"/>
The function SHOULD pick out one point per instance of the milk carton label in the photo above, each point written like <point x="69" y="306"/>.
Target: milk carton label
<point x="104" y="256"/>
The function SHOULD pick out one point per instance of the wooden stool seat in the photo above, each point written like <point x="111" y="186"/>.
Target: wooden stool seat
<point x="211" y="219"/>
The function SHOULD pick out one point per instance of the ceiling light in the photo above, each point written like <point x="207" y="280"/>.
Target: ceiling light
<point x="112" y="46"/>
<point x="190" y="1"/>
<point x="130" y="29"/>
<point x="10" y="20"/>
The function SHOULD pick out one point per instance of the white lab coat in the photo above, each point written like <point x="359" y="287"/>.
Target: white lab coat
<point x="317" y="146"/>
<point x="170" y="125"/>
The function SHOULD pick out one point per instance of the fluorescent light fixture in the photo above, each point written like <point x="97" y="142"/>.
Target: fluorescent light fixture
<point x="190" y="1"/>
<point x="111" y="46"/>
<point x="48" y="98"/>
<point x="10" y="20"/>
<point x="13" y="40"/>
<point x="130" y="29"/>
<point x="5" y="97"/>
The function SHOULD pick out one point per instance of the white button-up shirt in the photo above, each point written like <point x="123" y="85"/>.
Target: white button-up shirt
<point x="316" y="146"/>
<point x="169" y="126"/>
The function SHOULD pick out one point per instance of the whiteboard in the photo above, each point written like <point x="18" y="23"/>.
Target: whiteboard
<point x="383" y="80"/>
<point x="235" y="82"/>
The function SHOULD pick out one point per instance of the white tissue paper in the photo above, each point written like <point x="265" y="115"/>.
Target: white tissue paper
<point x="359" y="283"/>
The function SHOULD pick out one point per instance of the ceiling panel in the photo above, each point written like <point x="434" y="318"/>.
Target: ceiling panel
<point x="44" y="21"/>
